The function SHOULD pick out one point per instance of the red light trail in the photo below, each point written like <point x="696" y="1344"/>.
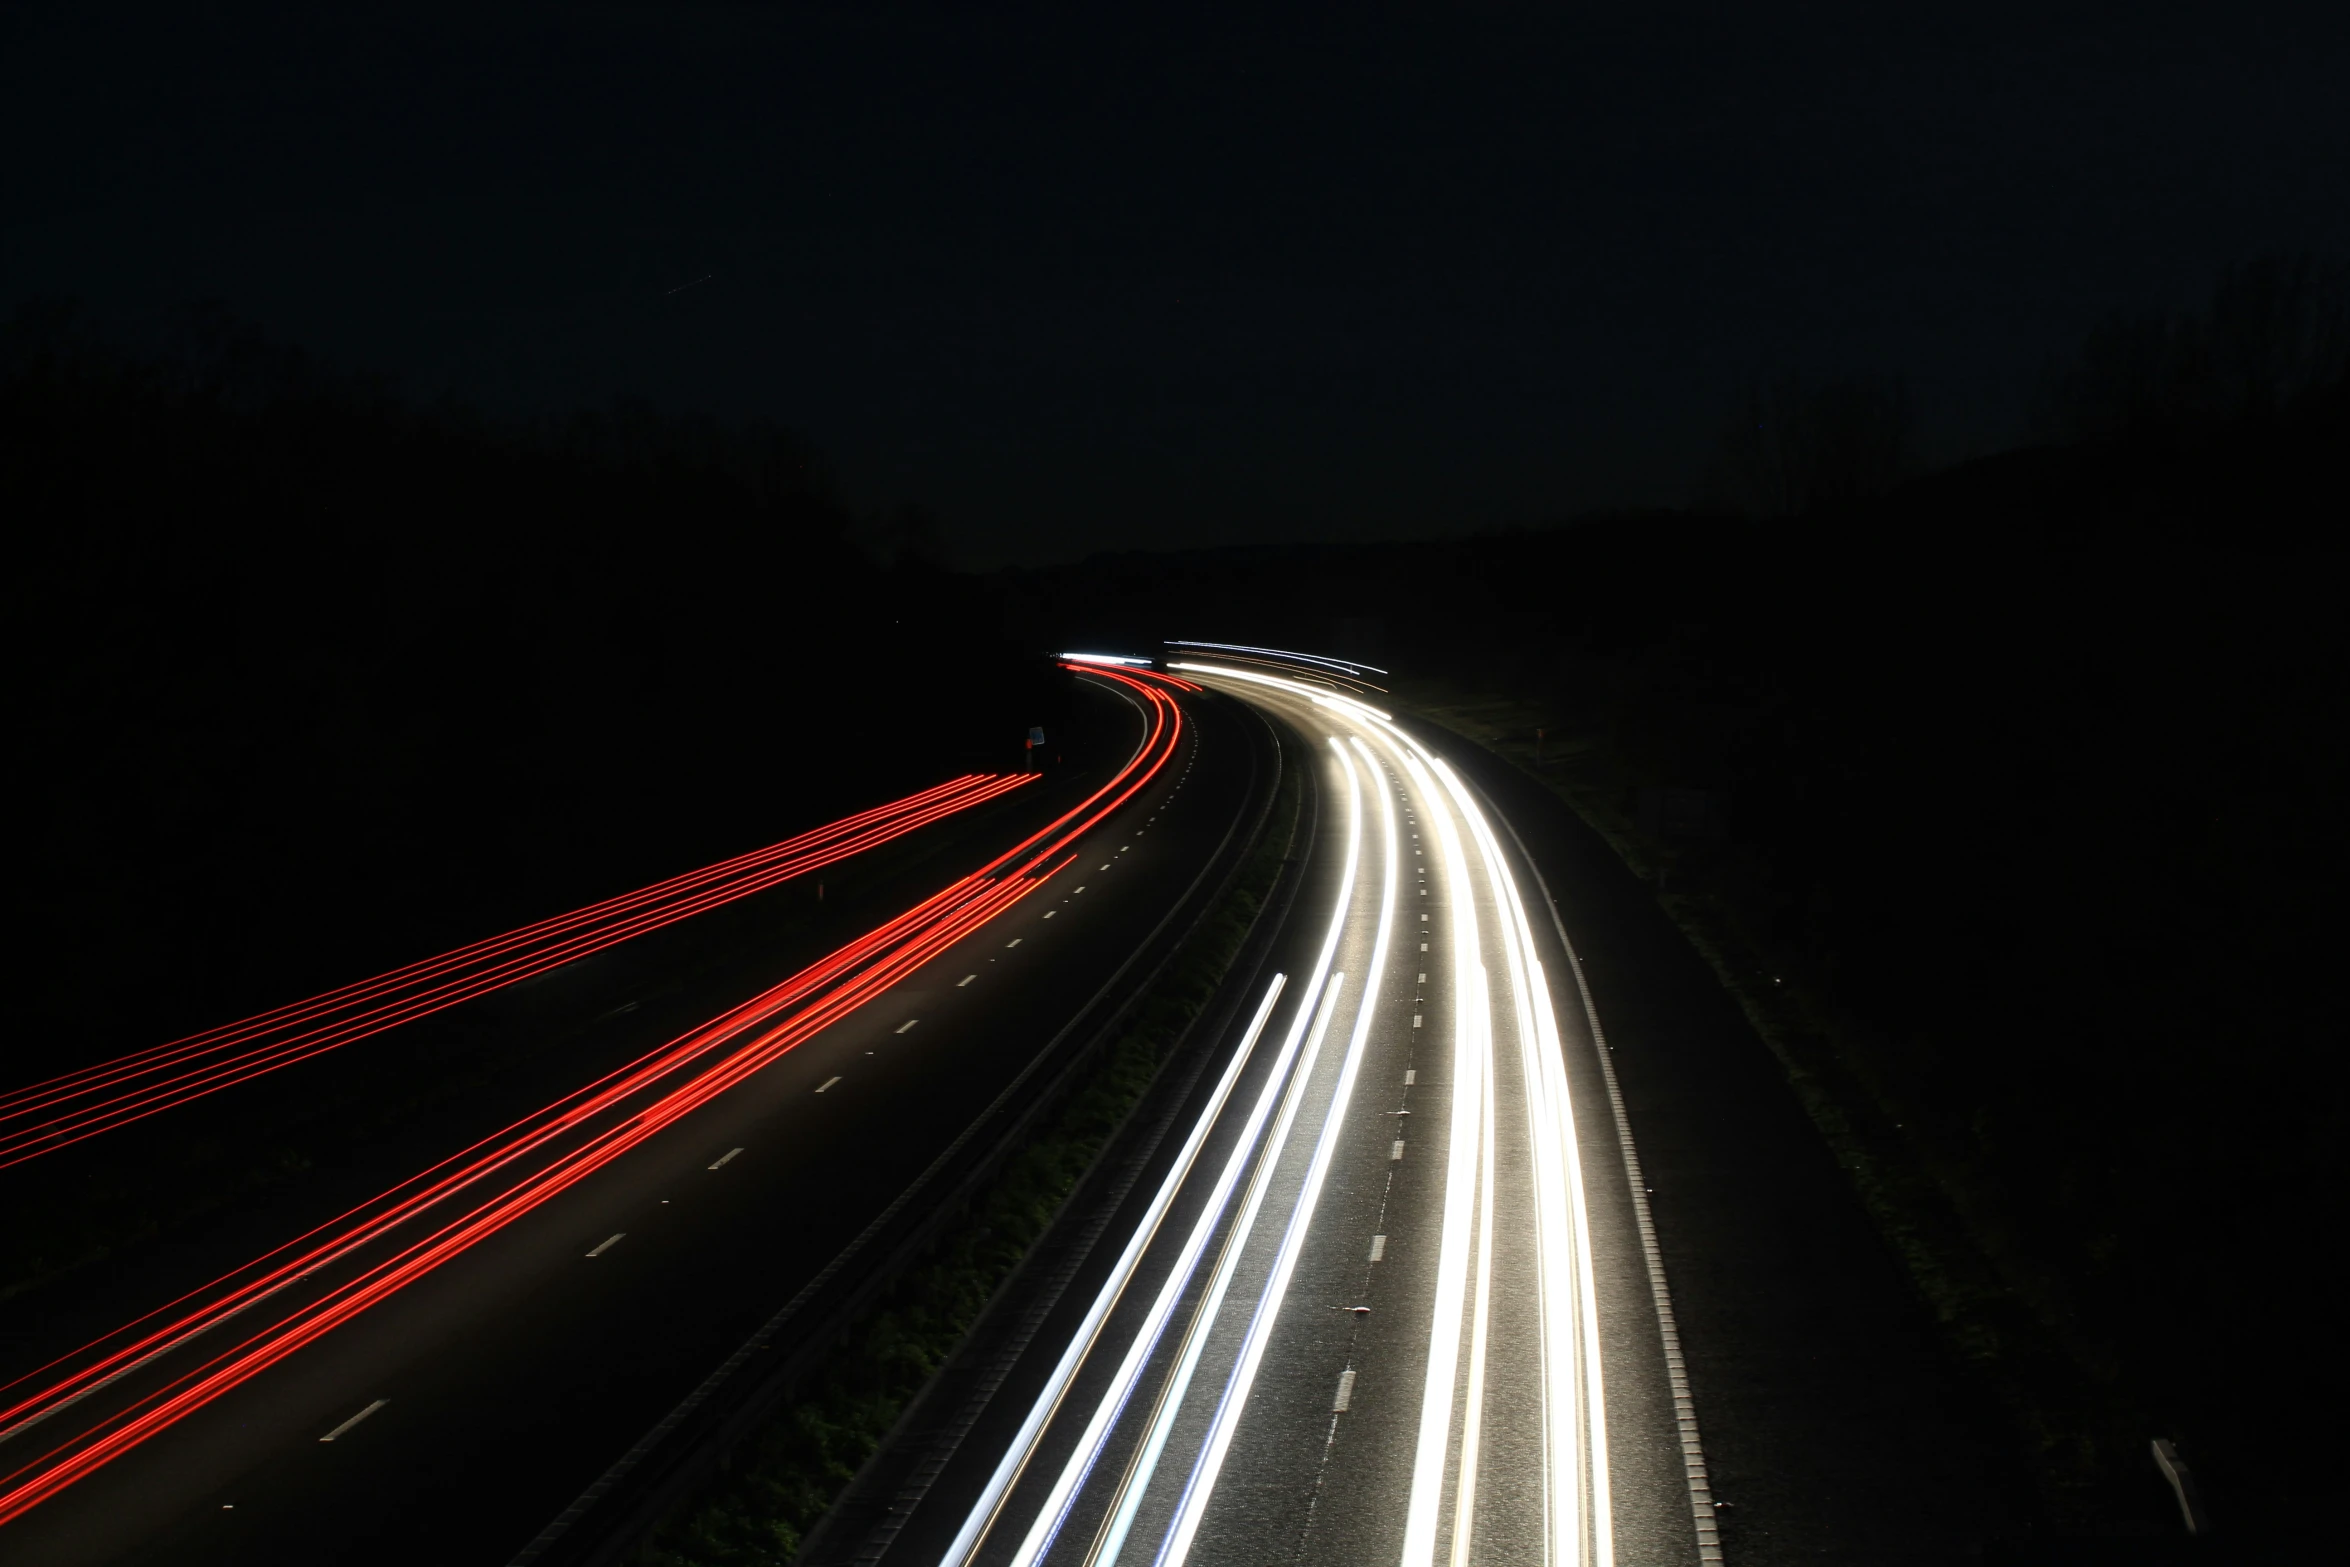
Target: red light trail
<point x="319" y="1280"/>
<point x="45" y="1117"/>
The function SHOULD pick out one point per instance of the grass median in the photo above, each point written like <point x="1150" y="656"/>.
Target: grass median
<point x="788" y="1476"/>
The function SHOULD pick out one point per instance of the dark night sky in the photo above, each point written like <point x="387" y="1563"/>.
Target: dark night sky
<point x="1088" y="276"/>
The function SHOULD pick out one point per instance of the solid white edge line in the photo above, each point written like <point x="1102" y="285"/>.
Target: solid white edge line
<point x="1695" y="1471"/>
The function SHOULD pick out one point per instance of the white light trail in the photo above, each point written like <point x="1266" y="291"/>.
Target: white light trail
<point x="1220" y="1283"/>
<point x="1569" y="1288"/>
<point x="1275" y="652"/>
<point x="983" y="1512"/>
<point x="1471" y="1048"/>
<point x="1054" y="1516"/>
<point x="1226" y="1421"/>
<point x="1578" y="1527"/>
<point x="1051" y="1517"/>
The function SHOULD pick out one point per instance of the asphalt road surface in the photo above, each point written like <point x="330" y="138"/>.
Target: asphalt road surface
<point x="471" y="1406"/>
<point x="1389" y="1297"/>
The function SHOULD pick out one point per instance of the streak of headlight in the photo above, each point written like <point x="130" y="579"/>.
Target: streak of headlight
<point x="1318" y="698"/>
<point x="1260" y="1329"/>
<point x="1570" y="1312"/>
<point x="1016" y="1457"/>
<point x="1464" y="1515"/>
<point x="1220" y="1282"/>
<point x="1303" y="658"/>
<point x="1049" y="1522"/>
<point x="1576" y="1448"/>
<point x="1137" y="1480"/>
<point x="1128" y="1497"/>
<point x="1471" y="1021"/>
<point x="984" y="1512"/>
<point x="1102" y="658"/>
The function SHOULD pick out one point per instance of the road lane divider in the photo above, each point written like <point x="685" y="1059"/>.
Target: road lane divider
<point x="349" y="1425"/>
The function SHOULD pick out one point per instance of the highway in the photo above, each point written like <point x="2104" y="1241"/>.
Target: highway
<point x="1390" y="1295"/>
<point x="437" y="1371"/>
<point x="1387" y="1293"/>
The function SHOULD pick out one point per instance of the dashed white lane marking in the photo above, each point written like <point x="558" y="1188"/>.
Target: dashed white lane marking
<point x="1346" y="1391"/>
<point x="726" y="1157"/>
<point x="1415" y="1020"/>
<point x="827" y="1083"/>
<point x="1016" y="940"/>
<point x="1105" y="865"/>
<point x="908" y="1023"/>
<point x="1378" y="1247"/>
<point x="1081" y="889"/>
<point x="1396" y="1152"/>
<point x="1049" y="913"/>
<point x="965" y="980"/>
<point x="345" y="1427"/>
<point x="1411" y="1075"/>
<point x="608" y="1245"/>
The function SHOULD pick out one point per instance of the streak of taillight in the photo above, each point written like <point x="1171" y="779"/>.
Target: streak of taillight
<point x="860" y="970"/>
<point x="154" y="1097"/>
<point x="358" y="990"/>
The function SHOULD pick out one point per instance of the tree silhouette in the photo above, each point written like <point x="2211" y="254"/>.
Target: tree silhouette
<point x="1794" y="447"/>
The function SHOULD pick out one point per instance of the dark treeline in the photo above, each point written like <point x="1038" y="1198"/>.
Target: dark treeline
<point x="2032" y="776"/>
<point x="305" y="681"/>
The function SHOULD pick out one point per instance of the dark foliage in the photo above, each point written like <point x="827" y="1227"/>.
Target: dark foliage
<point x="306" y="682"/>
<point x="2034" y="774"/>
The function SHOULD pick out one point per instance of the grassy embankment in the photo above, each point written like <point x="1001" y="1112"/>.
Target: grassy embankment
<point x="2025" y="797"/>
<point x="2022" y="848"/>
<point x="787" y="1477"/>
